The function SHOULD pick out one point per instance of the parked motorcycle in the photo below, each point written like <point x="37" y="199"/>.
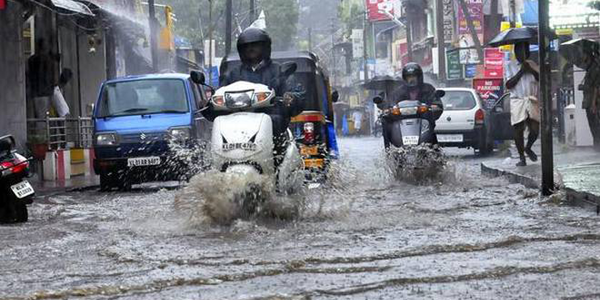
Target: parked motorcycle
<point x="15" y="190"/>
<point x="414" y="152"/>
<point x="242" y="139"/>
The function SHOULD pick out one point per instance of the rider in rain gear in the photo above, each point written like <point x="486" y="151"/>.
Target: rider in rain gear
<point x="413" y="89"/>
<point x="254" y="48"/>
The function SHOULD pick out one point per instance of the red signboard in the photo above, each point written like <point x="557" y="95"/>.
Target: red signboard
<point x="376" y="9"/>
<point x="2" y="4"/>
<point x="494" y="63"/>
<point x="490" y="89"/>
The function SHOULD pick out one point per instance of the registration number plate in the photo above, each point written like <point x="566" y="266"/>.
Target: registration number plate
<point x="22" y="189"/>
<point x="314" y="163"/>
<point x="410" y="140"/>
<point x="143" y="161"/>
<point x="239" y="146"/>
<point x="308" y="151"/>
<point x="450" y="138"/>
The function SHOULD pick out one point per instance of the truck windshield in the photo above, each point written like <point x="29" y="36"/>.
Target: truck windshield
<point x="142" y="97"/>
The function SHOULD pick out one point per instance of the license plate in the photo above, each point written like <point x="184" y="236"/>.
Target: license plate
<point x="239" y="146"/>
<point x="314" y="163"/>
<point x="22" y="189"/>
<point x="410" y="140"/>
<point x="143" y="161"/>
<point x="308" y="151"/>
<point x="450" y="138"/>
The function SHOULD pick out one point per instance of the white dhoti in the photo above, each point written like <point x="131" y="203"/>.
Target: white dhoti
<point x="523" y="108"/>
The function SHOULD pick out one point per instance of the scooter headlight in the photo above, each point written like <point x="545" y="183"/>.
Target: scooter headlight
<point x="107" y="139"/>
<point x="239" y="99"/>
<point x="408" y="111"/>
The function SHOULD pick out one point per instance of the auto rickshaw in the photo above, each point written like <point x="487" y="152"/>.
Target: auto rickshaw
<point x="314" y="128"/>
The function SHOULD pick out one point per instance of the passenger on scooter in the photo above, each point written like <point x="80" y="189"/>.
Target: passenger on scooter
<point x="254" y="48"/>
<point x="413" y="89"/>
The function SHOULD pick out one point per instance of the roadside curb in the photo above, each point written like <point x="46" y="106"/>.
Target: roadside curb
<point x="512" y="177"/>
<point x="574" y="197"/>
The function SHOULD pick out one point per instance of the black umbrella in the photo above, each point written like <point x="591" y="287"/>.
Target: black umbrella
<point x="515" y="35"/>
<point x="383" y="83"/>
<point x="573" y="48"/>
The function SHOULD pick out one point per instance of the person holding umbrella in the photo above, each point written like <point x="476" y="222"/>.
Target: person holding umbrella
<point x="522" y="81"/>
<point x="585" y="54"/>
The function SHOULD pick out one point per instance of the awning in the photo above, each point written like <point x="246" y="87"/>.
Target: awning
<point x="73" y="6"/>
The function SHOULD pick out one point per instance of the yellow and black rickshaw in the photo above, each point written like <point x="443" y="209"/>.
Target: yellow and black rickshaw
<point x="314" y="128"/>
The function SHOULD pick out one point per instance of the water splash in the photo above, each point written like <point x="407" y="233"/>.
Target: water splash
<point x="421" y="164"/>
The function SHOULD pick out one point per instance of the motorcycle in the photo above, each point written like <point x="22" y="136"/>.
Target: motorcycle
<point x="15" y="191"/>
<point x="414" y="152"/>
<point x="242" y="140"/>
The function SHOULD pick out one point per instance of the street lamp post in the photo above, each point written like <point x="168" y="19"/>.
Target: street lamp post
<point x="153" y="35"/>
<point x="546" y="100"/>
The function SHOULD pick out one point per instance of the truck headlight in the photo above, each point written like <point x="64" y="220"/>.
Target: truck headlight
<point x="180" y="133"/>
<point x="107" y="139"/>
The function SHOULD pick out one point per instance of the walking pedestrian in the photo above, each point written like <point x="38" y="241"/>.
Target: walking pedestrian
<point x="591" y="92"/>
<point x="522" y="81"/>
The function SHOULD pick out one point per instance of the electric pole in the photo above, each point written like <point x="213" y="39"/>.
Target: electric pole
<point x="228" y="18"/>
<point x="439" y="16"/>
<point x="252" y="11"/>
<point x="513" y="14"/>
<point x="210" y="41"/>
<point x="332" y="51"/>
<point x="153" y="35"/>
<point x="365" y="53"/>
<point x="310" y="39"/>
<point x="546" y="100"/>
<point x="408" y="12"/>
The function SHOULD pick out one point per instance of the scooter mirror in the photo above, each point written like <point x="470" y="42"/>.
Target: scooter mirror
<point x="198" y="77"/>
<point x="440" y="93"/>
<point x="335" y="96"/>
<point x="288" y="68"/>
<point x="377" y="100"/>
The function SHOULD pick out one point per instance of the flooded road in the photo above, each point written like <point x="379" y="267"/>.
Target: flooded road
<point x="367" y="237"/>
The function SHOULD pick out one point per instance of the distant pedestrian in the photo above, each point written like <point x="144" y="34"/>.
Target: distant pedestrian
<point x="42" y="78"/>
<point x="591" y="92"/>
<point x="522" y="77"/>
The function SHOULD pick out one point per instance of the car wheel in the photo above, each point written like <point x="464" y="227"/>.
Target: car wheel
<point x="106" y="182"/>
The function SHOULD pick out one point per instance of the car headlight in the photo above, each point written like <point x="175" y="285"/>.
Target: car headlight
<point x="107" y="139"/>
<point x="180" y="133"/>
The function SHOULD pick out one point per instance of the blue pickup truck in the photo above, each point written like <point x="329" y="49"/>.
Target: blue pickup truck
<point x="148" y="128"/>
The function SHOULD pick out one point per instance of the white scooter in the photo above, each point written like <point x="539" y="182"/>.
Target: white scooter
<point x="242" y="140"/>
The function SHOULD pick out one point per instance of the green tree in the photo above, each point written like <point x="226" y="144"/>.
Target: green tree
<point x="282" y="22"/>
<point x="351" y="14"/>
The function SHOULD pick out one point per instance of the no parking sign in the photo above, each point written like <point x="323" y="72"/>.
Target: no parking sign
<point x="489" y="89"/>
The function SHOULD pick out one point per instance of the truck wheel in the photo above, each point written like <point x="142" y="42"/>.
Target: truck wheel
<point x="22" y="214"/>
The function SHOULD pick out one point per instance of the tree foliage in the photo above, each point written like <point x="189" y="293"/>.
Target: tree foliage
<point x="282" y="22"/>
<point x="193" y="20"/>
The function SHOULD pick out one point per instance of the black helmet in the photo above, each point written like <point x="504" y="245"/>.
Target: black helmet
<point x="254" y="35"/>
<point x="415" y="70"/>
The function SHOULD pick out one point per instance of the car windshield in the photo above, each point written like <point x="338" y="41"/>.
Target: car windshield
<point x="141" y="97"/>
<point x="459" y="100"/>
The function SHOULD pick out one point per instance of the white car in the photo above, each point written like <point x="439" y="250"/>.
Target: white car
<point x="465" y="123"/>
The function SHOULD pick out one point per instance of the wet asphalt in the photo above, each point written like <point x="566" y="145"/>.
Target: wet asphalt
<point x="364" y="236"/>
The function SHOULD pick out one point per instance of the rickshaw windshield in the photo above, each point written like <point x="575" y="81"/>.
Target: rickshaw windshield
<point x="306" y="82"/>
